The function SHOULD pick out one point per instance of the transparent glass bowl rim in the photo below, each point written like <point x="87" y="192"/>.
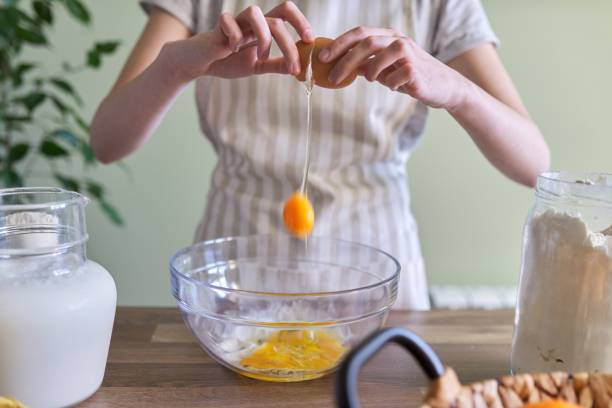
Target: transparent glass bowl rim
<point x="203" y="244"/>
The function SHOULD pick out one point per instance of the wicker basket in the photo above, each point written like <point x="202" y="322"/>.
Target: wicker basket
<point x="445" y="391"/>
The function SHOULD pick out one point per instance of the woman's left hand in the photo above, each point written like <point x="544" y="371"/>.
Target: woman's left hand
<point x="396" y="61"/>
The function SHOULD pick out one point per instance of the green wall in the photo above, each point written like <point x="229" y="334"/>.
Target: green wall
<point x="559" y="53"/>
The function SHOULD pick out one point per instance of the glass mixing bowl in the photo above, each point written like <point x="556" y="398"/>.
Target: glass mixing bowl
<point x="278" y="308"/>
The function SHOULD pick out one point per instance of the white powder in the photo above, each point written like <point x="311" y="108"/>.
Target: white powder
<point x="29" y="218"/>
<point x="31" y="239"/>
<point x="564" y="320"/>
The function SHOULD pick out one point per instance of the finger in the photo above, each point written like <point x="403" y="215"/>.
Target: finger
<point x="285" y="43"/>
<point x="400" y="77"/>
<point x="357" y="56"/>
<point x="290" y="13"/>
<point x="348" y="40"/>
<point x="253" y="18"/>
<point x="248" y="40"/>
<point x="382" y="77"/>
<point x="384" y="59"/>
<point x="276" y="65"/>
<point x="231" y="30"/>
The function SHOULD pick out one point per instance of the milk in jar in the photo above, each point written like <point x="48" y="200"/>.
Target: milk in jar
<point x="56" y="307"/>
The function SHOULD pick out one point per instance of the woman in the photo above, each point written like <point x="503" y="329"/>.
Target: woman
<point x="421" y="53"/>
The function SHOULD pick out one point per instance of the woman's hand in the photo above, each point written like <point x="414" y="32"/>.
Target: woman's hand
<point x="167" y="57"/>
<point x="240" y="46"/>
<point x="474" y="87"/>
<point x="396" y="61"/>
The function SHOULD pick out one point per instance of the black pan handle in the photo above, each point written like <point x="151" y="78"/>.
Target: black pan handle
<point x="348" y="374"/>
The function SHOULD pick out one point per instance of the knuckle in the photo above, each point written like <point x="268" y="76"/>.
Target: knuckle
<point x="336" y="46"/>
<point x="288" y="5"/>
<point x="398" y="45"/>
<point x="361" y="30"/>
<point x="371" y="74"/>
<point x="275" y="22"/>
<point x="370" y="41"/>
<point x="252" y="10"/>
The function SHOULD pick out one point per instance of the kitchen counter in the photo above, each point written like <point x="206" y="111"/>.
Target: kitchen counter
<point x="155" y="362"/>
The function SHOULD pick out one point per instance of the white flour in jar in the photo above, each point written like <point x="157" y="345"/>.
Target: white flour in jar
<point x="565" y="314"/>
<point x="32" y="239"/>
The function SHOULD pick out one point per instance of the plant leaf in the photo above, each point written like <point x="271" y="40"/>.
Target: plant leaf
<point x="26" y="17"/>
<point x="106" y="47"/>
<point x="126" y="169"/>
<point x="88" y="155"/>
<point x="9" y="17"/>
<point x="52" y="150"/>
<point x="10" y="178"/>
<point x="93" y="58"/>
<point x="78" y="10"/>
<point x="68" y="183"/>
<point x="80" y="121"/>
<point x="67" y="88"/>
<point x="95" y="190"/>
<point x="43" y="11"/>
<point x="94" y="54"/>
<point x="31" y="35"/>
<point x="32" y="100"/>
<point x="16" y="118"/>
<point x="59" y="105"/>
<point x="65" y="136"/>
<point x="18" y="152"/>
<point x="19" y="71"/>
<point x="111" y="212"/>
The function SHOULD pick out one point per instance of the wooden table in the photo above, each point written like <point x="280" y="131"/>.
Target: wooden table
<point x="155" y="362"/>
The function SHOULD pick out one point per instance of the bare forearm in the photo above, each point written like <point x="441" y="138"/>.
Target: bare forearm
<point x="131" y="113"/>
<point x="508" y="139"/>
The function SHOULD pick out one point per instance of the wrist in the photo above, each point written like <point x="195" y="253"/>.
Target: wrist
<point x="172" y="72"/>
<point x="465" y="93"/>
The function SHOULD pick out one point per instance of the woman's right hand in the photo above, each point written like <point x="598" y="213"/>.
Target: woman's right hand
<point x="240" y="46"/>
<point x="167" y="57"/>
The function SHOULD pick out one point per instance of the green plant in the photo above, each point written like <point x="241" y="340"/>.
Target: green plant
<point x="40" y="113"/>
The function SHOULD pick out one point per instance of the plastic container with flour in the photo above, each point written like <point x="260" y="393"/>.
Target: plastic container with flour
<point x="56" y="307"/>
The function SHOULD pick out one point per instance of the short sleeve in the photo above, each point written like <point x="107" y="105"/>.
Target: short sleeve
<point x="461" y="25"/>
<point x="183" y="10"/>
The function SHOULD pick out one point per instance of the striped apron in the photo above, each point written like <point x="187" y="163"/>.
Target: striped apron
<point x="358" y="182"/>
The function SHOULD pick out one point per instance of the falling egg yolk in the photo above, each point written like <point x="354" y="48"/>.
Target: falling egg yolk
<point x="309" y="53"/>
<point x="551" y="404"/>
<point x="296" y="351"/>
<point x="298" y="215"/>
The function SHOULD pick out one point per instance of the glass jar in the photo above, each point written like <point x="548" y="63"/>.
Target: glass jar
<point x="56" y="307"/>
<point x="564" y="311"/>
